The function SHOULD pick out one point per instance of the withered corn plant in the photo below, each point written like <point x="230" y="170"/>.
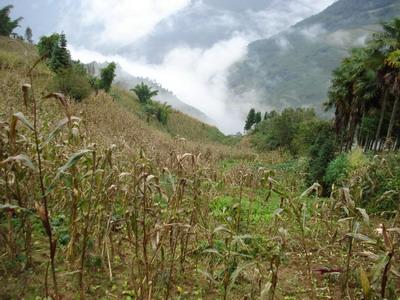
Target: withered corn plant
<point x="112" y="208"/>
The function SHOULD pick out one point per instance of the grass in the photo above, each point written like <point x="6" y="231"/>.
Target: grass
<point x="133" y="212"/>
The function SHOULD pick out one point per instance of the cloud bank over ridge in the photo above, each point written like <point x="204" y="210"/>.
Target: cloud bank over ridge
<point x="186" y="45"/>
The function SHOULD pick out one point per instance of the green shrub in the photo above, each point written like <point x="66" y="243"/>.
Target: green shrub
<point x="73" y="82"/>
<point x="337" y="170"/>
<point x="293" y="130"/>
<point x="357" y="158"/>
<point x="107" y="76"/>
<point x="322" y="152"/>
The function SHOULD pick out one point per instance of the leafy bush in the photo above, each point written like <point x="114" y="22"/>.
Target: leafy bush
<point x="107" y="76"/>
<point x="73" y="82"/>
<point x="357" y="158"/>
<point x="337" y="170"/>
<point x="345" y="166"/>
<point x="321" y="153"/>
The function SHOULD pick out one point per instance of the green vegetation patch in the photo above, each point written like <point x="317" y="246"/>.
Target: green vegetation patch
<point x="256" y="210"/>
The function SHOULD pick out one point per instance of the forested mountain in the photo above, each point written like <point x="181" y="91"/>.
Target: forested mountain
<point x="128" y="81"/>
<point x="294" y="67"/>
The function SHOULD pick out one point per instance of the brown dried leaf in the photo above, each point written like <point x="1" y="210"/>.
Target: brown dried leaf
<point x="40" y="211"/>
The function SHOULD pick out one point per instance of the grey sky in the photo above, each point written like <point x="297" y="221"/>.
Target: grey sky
<point x="186" y="45"/>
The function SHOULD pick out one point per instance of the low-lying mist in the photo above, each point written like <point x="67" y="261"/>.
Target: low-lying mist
<point x="189" y="49"/>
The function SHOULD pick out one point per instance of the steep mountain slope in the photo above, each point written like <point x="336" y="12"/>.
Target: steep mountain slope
<point x="116" y="119"/>
<point x="294" y="67"/>
<point x="128" y="81"/>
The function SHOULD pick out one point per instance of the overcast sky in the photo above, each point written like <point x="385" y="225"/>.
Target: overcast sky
<point x="186" y="45"/>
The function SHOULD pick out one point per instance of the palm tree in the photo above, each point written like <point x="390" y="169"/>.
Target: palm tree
<point x="388" y="44"/>
<point x="352" y="88"/>
<point x="144" y="92"/>
<point x="367" y="90"/>
<point x="363" y="88"/>
<point x="340" y="97"/>
<point x="163" y="111"/>
<point x="393" y="84"/>
<point x="7" y="25"/>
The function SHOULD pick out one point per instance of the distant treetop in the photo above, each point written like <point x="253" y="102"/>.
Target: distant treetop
<point x="7" y="25"/>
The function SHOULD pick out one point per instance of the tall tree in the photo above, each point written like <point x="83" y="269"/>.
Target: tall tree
<point x="7" y="25"/>
<point x="47" y="44"/>
<point x="107" y="76"/>
<point x="387" y="44"/>
<point x="393" y="78"/>
<point x="144" y="92"/>
<point x="28" y="35"/>
<point x="251" y="117"/>
<point x="60" y="58"/>
<point x="257" y="118"/>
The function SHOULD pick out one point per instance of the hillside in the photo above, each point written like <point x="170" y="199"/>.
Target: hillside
<point x="100" y="201"/>
<point x="16" y="55"/>
<point x="178" y="125"/>
<point x="128" y="81"/>
<point x="294" y="67"/>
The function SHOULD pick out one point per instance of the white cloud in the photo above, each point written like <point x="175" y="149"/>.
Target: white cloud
<point x="348" y="39"/>
<point x="196" y="76"/>
<point x="122" y="22"/>
<point x="283" y="43"/>
<point x="313" y="32"/>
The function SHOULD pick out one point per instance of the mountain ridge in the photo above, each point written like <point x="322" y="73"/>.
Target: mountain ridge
<point x="293" y="68"/>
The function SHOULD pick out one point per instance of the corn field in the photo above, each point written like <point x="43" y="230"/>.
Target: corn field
<point x="91" y="212"/>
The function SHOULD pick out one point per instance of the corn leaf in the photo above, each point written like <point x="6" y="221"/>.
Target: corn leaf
<point x="58" y="128"/>
<point x="364" y="214"/>
<point x="236" y="273"/>
<point x="365" y="285"/>
<point x="72" y="161"/>
<point x="23" y="159"/>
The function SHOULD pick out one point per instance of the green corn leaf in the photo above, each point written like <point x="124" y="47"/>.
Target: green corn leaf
<point x="56" y="130"/>
<point x="72" y="161"/>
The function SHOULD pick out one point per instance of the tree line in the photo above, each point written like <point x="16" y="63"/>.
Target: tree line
<point x="365" y="93"/>
<point x="70" y="77"/>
